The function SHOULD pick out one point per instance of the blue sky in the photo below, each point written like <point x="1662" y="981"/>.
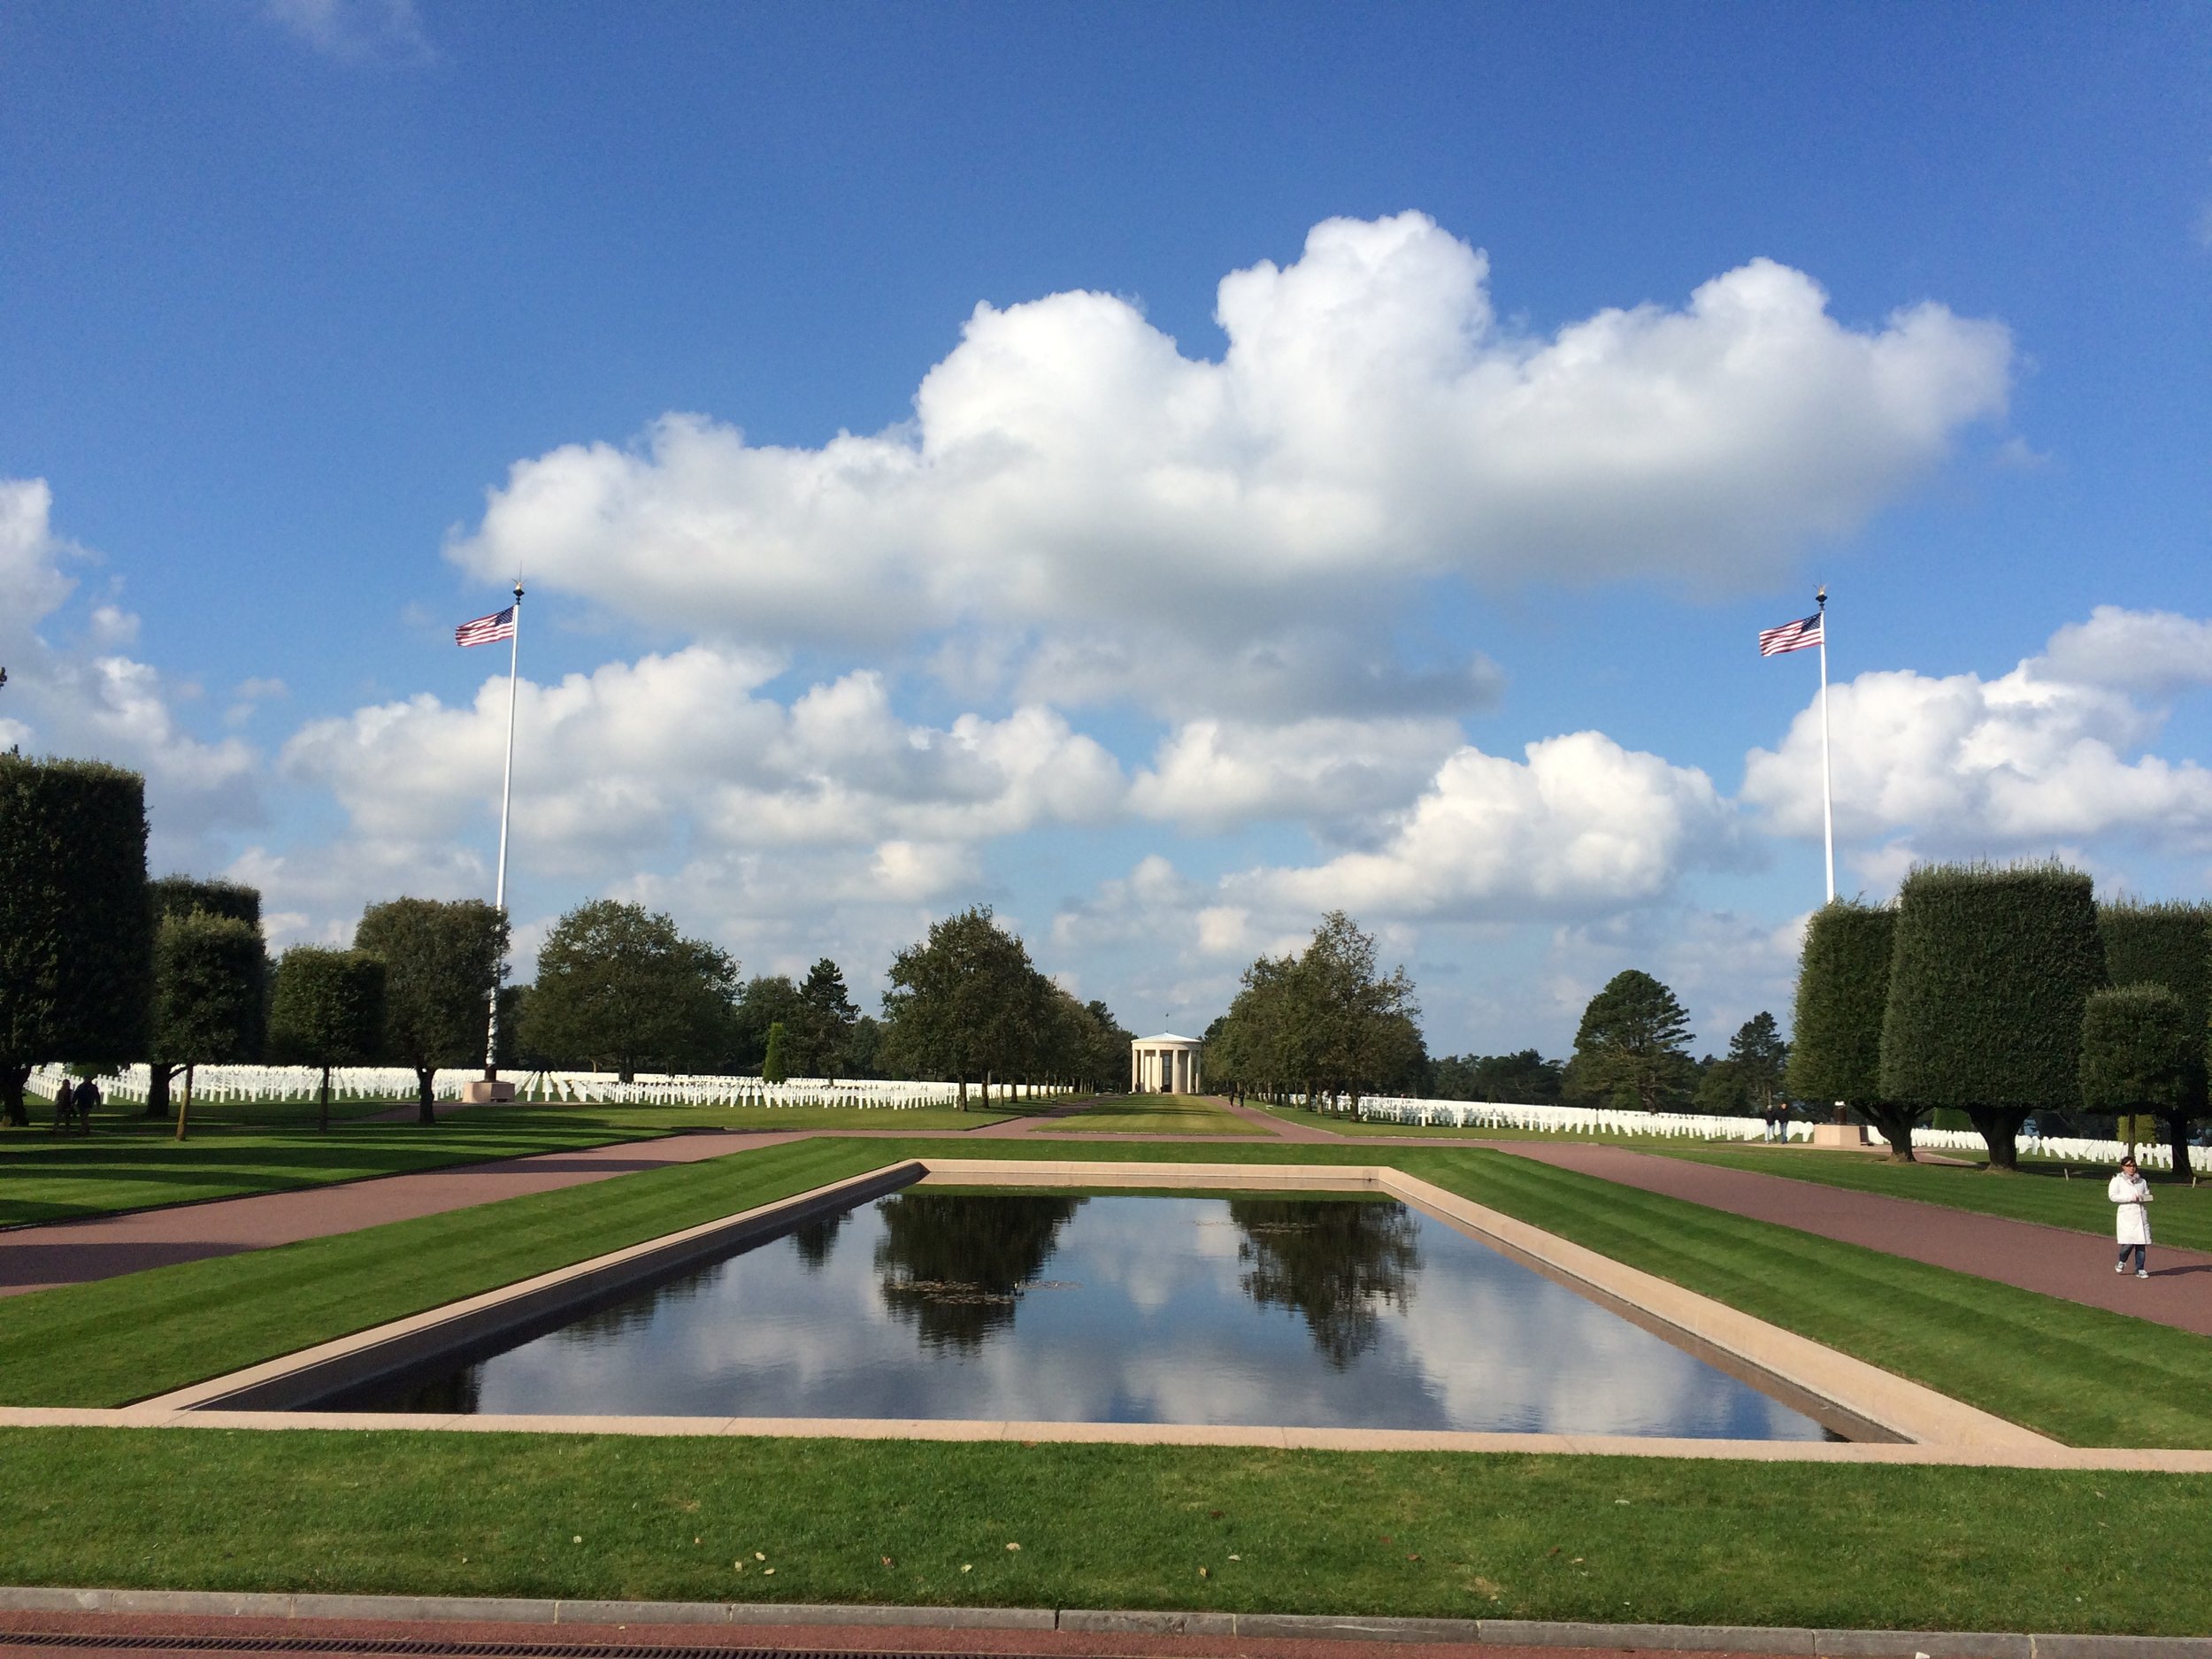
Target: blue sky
<point x="1559" y="353"/>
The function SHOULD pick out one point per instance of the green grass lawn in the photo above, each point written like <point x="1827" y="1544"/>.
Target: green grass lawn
<point x="1610" y="1540"/>
<point x="2079" y="1374"/>
<point x="131" y="1163"/>
<point x="1157" y="1115"/>
<point x="2040" y="1191"/>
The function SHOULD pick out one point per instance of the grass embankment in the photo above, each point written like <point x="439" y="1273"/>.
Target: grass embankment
<point x="1158" y="1115"/>
<point x="1612" y="1540"/>
<point x="2040" y="1190"/>
<point x="133" y="1162"/>
<point x="2078" y="1374"/>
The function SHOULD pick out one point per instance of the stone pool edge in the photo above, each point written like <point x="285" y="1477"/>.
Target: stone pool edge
<point x="257" y="1609"/>
<point x="1937" y="1429"/>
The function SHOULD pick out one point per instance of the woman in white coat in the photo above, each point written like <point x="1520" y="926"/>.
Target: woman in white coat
<point x="2132" y="1193"/>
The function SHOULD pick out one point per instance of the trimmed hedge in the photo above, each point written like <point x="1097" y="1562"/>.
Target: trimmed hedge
<point x="76" y="936"/>
<point x="175" y="897"/>
<point x="1842" y="996"/>
<point x="2138" y="1050"/>
<point x="180" y="895"/>
<point x="2168" y="945"/>
<point x="1990" y="973"/>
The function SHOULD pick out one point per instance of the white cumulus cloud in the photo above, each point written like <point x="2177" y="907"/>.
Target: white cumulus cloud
<point x="1069" y="471"/>
<point x="1580" y="826"/>
<point x="86" y="699"/>
<point x="2048" y="754"/>
<point x="1209" y="774"/>
<point x="635" y="758"/>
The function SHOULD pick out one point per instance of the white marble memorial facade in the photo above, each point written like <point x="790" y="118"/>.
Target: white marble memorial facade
<point x="1165" y="1065"/>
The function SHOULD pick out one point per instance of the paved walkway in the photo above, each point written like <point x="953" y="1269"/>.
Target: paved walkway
<point x="101" y="1246"/>
<point x="2056" y="1261"/>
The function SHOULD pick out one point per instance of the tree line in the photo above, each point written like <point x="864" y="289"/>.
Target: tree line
<point x="1328" y="1022"/>
<point x="2003" y="991"/>
<point x="102" y="967"/>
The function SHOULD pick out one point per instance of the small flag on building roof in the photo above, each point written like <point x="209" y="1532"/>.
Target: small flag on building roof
<point x="498" y="626"/>
<point x="1801" y="636"/>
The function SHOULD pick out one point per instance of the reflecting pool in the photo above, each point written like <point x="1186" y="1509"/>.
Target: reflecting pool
<point x="1306" y="1311"/>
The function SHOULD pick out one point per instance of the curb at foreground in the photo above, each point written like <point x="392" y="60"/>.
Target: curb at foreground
<point x="1842" y="1644"/>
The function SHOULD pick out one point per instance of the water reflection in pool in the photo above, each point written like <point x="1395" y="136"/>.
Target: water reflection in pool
<point x="1129" y="1309"/>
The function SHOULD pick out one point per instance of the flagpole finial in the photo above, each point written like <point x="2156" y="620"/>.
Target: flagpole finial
<point x="518" y="588"/>
<point x="1820" y="595"/>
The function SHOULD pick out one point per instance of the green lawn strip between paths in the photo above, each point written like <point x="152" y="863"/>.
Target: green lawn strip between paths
<point x="1610" y="1540"/>
<point x="61" y="1177"/>
<point x="2180" y="1215"/>
<point x="1158" y="1115"/>
<point x="2079" y="1374"/>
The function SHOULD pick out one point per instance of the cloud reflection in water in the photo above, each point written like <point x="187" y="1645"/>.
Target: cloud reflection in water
<point x="1322" y="1312"/>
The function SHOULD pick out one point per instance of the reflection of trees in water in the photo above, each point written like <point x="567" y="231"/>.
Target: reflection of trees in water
<point x="1338" y="1263"/>
<point x="815" y="1238"/>
<point x="634" y="1312"/>
<point x="953" y="1264"/>
<point x="461" y="1392"/>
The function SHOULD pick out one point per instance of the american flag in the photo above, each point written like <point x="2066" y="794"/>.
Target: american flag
<point x="1800" y="635"/>
<point x="498" y="626"/>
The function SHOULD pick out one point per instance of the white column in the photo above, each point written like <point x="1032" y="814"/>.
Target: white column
<point x="1136" y="1069"/>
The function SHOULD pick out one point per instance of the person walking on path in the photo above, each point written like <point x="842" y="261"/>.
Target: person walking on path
<point x="2132" y="1193"/>
<point x="64" y="1106"/>
<point x="89" y="1095"/>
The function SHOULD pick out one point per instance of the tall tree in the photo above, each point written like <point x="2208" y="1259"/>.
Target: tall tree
<point x="326" y="1009"/>
<point x="2168" y="945"/>
<point x="76" y="938"/>
<point x="961" y="1001"/>
<point x="768" y="999"/>
<point x="1760" y="1057"/>
<point x="772" y="1068"/>
<point x="816" y="1036"/>
<point x="1105" y="1062"/>
<point x="1631" y="1050"/>
<point x="1525" y="1078"/>
<point x="1989" y="975"/>
<point x="208" y="976"/>
<point x="1365" y="1019"/>
<point x="1327" y="1021"/>
<point x="1842" y="999"/>
<point x="2141" y="1053"/>
<point x="175" y="896"/>
<point x="442" y="963"/>
<point x="619" y="987"/>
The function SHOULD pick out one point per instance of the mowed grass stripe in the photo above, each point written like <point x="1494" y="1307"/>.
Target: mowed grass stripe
<point x="2079" y="1374"/>
<point x="118" y="1340"/>
<point x="1610" y="1540"/>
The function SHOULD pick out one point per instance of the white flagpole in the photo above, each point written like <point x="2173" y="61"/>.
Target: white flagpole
<point x="1827" y="787"/>
<point x="506" y="801"/>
